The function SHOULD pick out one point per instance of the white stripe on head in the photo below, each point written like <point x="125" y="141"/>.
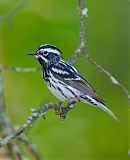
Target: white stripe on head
<point x="44" y="59"/>
<point x="52" y="50"/>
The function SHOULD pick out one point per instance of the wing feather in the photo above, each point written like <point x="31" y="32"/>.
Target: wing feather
<point x="80" y="84"/>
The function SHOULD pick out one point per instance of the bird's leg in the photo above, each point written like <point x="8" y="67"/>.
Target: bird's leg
<point x="62" y="111"/>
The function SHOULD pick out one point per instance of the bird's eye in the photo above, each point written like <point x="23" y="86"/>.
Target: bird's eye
<point x="45" y="53"/>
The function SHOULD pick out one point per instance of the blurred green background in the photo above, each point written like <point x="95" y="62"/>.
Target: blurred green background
<point x="88" y="133"/>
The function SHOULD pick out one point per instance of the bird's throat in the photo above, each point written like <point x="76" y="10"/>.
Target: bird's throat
<point x="42" y="62"/>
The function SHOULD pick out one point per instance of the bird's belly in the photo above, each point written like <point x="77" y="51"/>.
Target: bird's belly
<point x="62" y="92"/>
<point x="56" y="93"/>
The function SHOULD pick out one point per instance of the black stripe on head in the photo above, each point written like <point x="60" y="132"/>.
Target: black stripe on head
<point x="47" y="46"/>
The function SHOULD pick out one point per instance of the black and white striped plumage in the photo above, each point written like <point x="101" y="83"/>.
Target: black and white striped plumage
<point x="63" y="79"/>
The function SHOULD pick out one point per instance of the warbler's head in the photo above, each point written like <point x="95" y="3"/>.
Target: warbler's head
<point x="47" y="54"/>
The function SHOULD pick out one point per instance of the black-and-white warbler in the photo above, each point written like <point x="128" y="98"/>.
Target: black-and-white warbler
<point x="63" y="79"/>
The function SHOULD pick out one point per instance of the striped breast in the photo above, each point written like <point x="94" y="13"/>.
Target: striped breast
<point x="61" y="90"/>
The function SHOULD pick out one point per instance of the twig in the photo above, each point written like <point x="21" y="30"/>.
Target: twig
<point x="14" y="149"/>
<point x="19" y="69"/>
<point x="62" y="111"/>
<point x="83" y="13"/>
<point x="107" y="74"/>
<point x="31" y="147"/>
<point x="82" y="48"/>
<point x="76" y="55"/>
<point x="18" y="151"/>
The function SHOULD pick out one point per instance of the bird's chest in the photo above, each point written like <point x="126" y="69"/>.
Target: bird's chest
<point x="53" y="85"/>
<point x="58" y="88"/>
<point x="56" y="92"/>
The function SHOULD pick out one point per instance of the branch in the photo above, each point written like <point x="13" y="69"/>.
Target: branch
<point x="18" y="151"/>
<point x="107" y="74"/>
<point x="82" y="48"/>
<point x="61" y="111"/>
<point x="14" y="150"/>
<point x="83" y="13"/>
<point x="30" y="146"/>
<point x="19" y="69"/>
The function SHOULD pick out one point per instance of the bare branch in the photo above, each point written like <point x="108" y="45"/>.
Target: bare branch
<point x="83" y="12"/>
<point x="31" y="147"/>
<point x="14" y="149"/>
<point x="18" y="151"/>
<point x="19" y="69"/>
<point x="107" y="74"/>
<point x="76" y="55"/>
<point x="82" y="48"/>
<point x="61" y="111"/>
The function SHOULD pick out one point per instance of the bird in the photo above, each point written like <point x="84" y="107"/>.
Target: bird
<point x="64" y="81"/>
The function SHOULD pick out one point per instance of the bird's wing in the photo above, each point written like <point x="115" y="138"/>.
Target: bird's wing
<point x="71" y="77"/>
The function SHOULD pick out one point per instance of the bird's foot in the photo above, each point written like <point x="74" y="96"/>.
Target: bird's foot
<point x="62" y="111"/>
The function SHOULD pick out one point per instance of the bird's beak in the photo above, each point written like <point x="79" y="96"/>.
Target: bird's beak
<point x="33" y="54"/>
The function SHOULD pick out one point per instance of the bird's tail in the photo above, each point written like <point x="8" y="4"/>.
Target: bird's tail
<point x="101" y="105"/>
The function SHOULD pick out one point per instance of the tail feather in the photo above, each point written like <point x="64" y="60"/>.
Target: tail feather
<point x="99" y="104"/>
<point x="104" y="108"/>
